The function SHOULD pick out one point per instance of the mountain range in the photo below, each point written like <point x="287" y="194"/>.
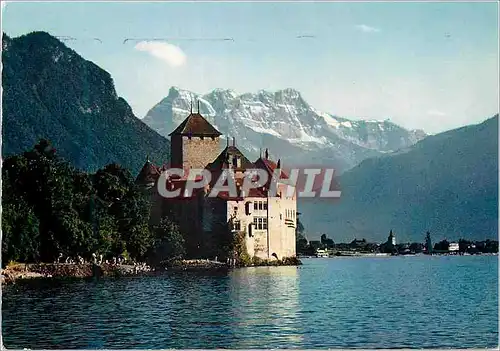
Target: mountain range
<point x="285" y="123"/>
<point x="392" y="178"/>
<point x="51" y="92"/>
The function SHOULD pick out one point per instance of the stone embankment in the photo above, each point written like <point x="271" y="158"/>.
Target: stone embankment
<point x="195" y="265"/>
<point x="19" y="271"/>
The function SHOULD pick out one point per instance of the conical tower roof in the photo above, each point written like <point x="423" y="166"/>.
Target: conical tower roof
<point x="196" y="125"/>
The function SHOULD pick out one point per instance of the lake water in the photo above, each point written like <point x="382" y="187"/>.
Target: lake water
<point x="392" y="302"/>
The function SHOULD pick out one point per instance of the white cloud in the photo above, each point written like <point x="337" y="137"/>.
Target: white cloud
<point x="169" y="53"/>
<point x="436" y="113"/>
<point x="367" y="29"/>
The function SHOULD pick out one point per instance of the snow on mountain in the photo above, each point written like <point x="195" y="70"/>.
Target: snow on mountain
<point x="286" y="124"/>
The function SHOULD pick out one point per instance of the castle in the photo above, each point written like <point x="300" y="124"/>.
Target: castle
<point x="268" y="222"/>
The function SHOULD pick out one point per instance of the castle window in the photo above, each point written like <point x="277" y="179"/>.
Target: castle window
<point x="260" y="223"/>
<point x="260" y="205"/>
<point x="265" y="205"/>
<point x="237" y="225"/>
<point x="247" y="208"/>
<point x="255" y="206"/>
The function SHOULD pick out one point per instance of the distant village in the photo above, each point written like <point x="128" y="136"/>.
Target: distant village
<point x="326" y="247"/>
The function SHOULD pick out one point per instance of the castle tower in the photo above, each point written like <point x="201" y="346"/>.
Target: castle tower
<point x="194" y="143"/>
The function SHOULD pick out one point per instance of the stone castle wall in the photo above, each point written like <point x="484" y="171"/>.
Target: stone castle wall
<point x="198" y="152"/>
<point x="280" y="236"/>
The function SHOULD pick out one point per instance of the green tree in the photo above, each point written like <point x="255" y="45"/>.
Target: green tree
<point x="300" y="240"/>
<point x="463" y="245"/>
<point x="327" y="242"/>
<point x="20" y="233"/>
<point x="222" y="242"/>
<point x="168" y="242"/>
<point x="50" y="208"/>
<point x="428" y="243"/>
<point x="416" y="247"/>
<point x="239" y="248"/>
<point x="443" y="245"/>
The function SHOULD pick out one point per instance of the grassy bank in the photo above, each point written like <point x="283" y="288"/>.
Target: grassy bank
<point x="19" y="271"/>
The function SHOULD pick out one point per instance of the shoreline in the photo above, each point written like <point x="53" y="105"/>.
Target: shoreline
<point x="29" y="271"/>
<point x="371" y="255"/>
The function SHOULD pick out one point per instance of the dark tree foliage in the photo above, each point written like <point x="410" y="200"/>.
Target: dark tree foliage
<point x="475" y="247"/>
<point x="428" y="243"/>
<point x="300" y="241"/>
<point x="167" y="243"/>
<point x="416" y="247"/>
<point x="21" y="240"/>
<point x="463" y="245"/>
<point x="52" y="209"/>
<point x="223" y="241"/>
<point x="327" y="242"/>
<point x="443" y="245"/>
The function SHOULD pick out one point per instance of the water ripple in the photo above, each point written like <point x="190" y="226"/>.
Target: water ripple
<point x="412" y="302"/>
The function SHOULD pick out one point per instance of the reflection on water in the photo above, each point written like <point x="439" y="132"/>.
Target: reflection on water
<point x="265" y="302"/>
<point x="394" y="302"/>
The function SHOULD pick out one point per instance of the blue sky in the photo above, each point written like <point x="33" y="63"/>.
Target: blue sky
<point x="423" y="65"/>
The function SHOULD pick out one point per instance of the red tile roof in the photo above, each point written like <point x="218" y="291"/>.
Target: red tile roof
<point x="270" y="166"/>
<point x="224" y="195"/>
<point x="196" y="125"/>
<point x="222" y="160"/>
<point x="149" y="173"/>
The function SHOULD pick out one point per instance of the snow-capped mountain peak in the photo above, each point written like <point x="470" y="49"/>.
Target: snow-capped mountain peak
<point x="285" y="122"/>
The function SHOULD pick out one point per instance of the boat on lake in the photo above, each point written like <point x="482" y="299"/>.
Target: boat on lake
<point x="320" y="253"/>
